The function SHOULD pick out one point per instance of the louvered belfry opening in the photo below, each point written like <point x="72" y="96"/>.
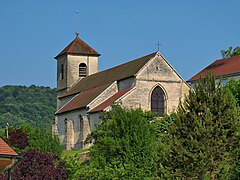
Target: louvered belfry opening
<point x="82" y="70"/>
<point x="157" y="101"/>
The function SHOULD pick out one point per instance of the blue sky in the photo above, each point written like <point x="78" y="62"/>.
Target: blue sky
<point x="191" y="32"/>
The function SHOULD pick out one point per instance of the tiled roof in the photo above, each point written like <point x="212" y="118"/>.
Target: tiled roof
<point x="82" y="99"/>
<point x="5" y="149"/>
<point x="110" y="100"/>
<point x="110" y="75"/>
<point x="78" y="46"/>
<point x="220" y="68"/>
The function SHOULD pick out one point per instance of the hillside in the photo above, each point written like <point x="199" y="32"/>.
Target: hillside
<point x="33" y="105"/>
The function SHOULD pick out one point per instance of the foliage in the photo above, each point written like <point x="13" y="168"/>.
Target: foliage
<point x="231" y="52"/>
<point x="201" y="141"/>
<point x="41" y="139"/>
<point x="234" y="86"/>
<point x="24" y="137"/>
<point x="39" y="165"/>
<point x="74" y="165"/>
<point x="34" y="105"/>
<point x="124" y="146"/>
<point x="18" y="138"/>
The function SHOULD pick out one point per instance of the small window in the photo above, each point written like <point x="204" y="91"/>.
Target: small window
<point x="62" y="72"/>
<point x="82" y="70"/>
<point x="157" y="101"/>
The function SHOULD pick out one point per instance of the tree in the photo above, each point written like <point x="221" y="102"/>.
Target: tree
<point x="39" y="165"/>
<point x="201" y="142"/>
<point x="26" y="137"/>
<point x="33" y="105"/>
<point x="124" y="146"/>
<point x="230" y="52"/>
<point x="234" y="86"/>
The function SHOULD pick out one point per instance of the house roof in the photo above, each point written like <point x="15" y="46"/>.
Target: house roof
<point x="78" y="46"/>
<point x="82" y="99"/>
<point x="109" y="76"/>
<point x="220" y="67"/>
<point x="6" y="150"/>
<point x="110" y="100"/>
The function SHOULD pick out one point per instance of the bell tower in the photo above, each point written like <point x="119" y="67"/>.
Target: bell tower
<point x="75" y="62"/>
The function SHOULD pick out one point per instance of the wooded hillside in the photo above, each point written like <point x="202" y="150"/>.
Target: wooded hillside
<point x="33" y="105"/>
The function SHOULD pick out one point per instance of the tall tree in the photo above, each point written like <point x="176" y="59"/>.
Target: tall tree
<point x="201" y="140"/>
<point x="231" y="52"/>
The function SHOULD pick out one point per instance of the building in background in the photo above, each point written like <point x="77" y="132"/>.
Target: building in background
<point x="225" y="69"/>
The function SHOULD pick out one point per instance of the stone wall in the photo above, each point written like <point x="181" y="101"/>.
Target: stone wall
<point x="81" y="128"/>
<point x="126" y="83"/>
<point x="73" y="67"/>
<point x="156" y="73"/>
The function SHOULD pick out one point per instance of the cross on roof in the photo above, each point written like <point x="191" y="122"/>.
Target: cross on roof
<point x="158" y="45"/>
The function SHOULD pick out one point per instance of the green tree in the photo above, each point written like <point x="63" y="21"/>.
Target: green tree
<point x="25" y="137"/>
<point x="124" y="146"/>
<point x="231" y="52"/>
<point x="33" y="105"/>
<point x="201" y="142"/>
<point x="234" y="86"/>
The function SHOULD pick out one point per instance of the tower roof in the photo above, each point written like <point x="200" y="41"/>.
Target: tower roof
<point x="78" y="46"/>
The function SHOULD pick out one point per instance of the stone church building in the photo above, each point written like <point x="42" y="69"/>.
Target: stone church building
<point x="148" y="82"/>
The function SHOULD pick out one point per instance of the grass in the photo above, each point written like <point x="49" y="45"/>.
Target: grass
<point x="73" y="152"/>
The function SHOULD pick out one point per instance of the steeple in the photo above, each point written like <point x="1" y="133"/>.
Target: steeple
<point x="74" y="62"/>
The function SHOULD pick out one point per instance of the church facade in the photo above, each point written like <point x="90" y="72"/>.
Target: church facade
<point x="149" y="83"/>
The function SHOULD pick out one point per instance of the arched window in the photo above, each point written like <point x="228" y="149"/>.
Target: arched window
<point x="157" y="101"/>
<point x="82" y="70"/>
<point x="62" y="72"/>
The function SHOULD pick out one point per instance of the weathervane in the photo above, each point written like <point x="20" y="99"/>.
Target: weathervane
<point x="158" y="45"/>
<point x="77" y="22"/>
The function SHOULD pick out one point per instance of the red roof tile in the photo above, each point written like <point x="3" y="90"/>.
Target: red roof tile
<point x="78" y="46"/>
<point x="110" y="100"/>
<point x="220" y="68"/>
<point x="5" y="149"/>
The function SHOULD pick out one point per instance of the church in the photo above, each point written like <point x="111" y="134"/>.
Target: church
<point x="149" y="82"/>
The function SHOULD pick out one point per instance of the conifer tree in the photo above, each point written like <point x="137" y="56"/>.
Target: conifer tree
<point x="201" y="140"/>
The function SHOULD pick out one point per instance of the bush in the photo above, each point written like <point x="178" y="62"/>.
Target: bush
<point x="124" y="146"/>
<point x="39" y="165"/>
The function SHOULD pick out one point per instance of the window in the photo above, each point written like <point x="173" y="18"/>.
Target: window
<point x="62" y="72"/>
<point x="82" y="70"/>
<point x="157" y="101"/>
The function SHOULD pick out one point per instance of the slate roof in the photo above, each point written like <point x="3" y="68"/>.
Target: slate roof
<point x="78" y="46"/>
<point x="122" y="71"/>
<point x="5" y="149"/>
<point x="221" y="67"/>
<point x="110" y="101"/>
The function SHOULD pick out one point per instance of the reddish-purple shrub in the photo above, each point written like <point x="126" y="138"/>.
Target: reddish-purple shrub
<point x="18" y="138"/>
<point x="38" y="165"/>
